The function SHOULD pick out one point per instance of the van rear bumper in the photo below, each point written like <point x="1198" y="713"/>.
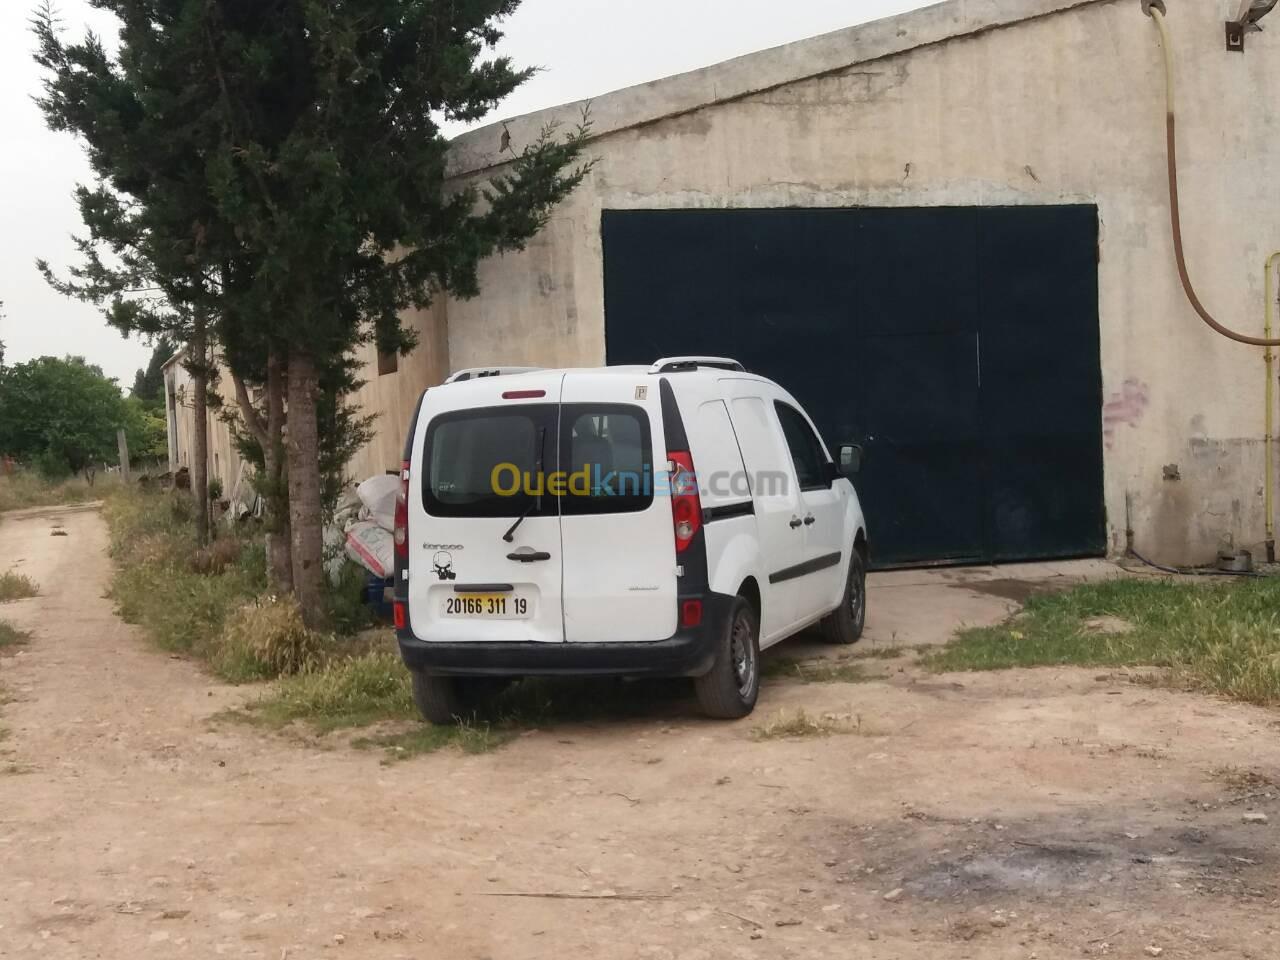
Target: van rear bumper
<point x="691" y="652"/>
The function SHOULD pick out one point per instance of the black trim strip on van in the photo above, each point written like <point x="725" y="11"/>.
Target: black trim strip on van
<point x="806" y="568"/>
<point x="745" y="509"/>
<point x="484" y="588"/>
<point x="672" y="422"/>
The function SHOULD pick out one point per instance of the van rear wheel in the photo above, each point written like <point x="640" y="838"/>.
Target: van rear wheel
<point x="844" y="624"/>
<point x="729" y="691"/>
<point x="445" y="701"/>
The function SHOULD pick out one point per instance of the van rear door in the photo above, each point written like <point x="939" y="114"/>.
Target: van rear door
<point x="480" y="449"/>
<point x="616" y="526"/>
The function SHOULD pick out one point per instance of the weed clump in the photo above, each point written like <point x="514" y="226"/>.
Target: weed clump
<point x="16" y="586"/>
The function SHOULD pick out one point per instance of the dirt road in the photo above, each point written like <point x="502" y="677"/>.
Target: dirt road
<point x="1055" y="813"/>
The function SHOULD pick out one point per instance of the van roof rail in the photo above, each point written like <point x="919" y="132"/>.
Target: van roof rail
<point x="480" y="373"/>
<point x="681" y="364"/>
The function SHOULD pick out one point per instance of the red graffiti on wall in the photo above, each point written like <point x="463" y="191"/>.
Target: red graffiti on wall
<point x="1125" y="407"/>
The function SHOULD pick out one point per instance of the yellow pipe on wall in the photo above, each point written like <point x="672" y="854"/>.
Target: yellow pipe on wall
<point x="1269" y="497"/>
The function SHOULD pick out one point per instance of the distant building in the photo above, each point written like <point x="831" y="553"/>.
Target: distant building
<point x="947" y="233"/>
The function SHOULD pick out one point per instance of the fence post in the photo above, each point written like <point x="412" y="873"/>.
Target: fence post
<point x="124" y="455"/>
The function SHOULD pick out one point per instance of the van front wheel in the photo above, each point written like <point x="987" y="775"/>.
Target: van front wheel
<point x="844" y="625"/>
<point x="730" y="689"/>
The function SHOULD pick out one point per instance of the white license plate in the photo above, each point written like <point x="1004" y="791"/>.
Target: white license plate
<point x="487" y="606"/>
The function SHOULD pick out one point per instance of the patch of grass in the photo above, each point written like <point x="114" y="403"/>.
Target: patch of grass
<point x="11" y="637"/>
<point x="211" y="603"/>
<point x="26" y="489"/>
<point x="797" y="724"/>
<point x="814" y="671"/>
<point x="16" y="770"/>
<point x="1220" y="637"/>
<point x="155" y="585"/>
<point x="375" y="687"/>
<point x="346" y="693"/>
<point x="16" y="586"/>
<point x="472" y="738"/>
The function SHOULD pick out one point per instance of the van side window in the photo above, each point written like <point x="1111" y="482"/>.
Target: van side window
<point x="806" y="449"/>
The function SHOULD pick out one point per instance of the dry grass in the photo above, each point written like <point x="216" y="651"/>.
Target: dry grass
<point x="16" y="586"/>
<point x="26" y="489"/>
<point x="797" y="724"/>
<point x="266" y="638"/>
<point x="469" y="737"/>
<point x="1241" y="779"/>
<point x="814" y="671"/>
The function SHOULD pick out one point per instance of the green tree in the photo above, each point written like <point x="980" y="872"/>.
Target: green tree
<point x="148" y="384"/>
<point x="276" y="167"/>
<point x="145" y="430"/>
<point x="60" y="414"/>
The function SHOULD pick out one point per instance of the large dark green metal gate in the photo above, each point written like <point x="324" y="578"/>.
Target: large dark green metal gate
<point x="959" y="345"/>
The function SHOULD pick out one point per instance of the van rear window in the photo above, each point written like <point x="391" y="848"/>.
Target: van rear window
<point x="465" y="450"/>
<point x="577" y="459"/>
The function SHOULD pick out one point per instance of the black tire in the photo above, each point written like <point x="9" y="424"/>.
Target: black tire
<point x="844" y="625"/>
<point x="729" y="691"/>
<point x="445" y="701"/>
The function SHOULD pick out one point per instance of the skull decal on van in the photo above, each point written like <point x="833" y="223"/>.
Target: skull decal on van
<point x="443" y="563"/>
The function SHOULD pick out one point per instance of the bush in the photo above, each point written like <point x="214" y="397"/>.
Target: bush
<point x="267" y="639"/>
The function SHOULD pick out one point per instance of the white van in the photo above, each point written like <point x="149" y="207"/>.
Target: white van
<point x="665" y="521"/>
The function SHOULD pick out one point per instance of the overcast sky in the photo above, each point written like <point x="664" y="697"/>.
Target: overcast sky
<point x="586" y="47"/>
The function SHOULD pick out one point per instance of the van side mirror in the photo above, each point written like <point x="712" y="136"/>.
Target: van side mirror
<point x="850" y="460"/>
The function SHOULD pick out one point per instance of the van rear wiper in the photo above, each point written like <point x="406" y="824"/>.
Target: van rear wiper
<point x="510" y="535"/>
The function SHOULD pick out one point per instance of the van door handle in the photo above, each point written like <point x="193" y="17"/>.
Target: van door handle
<point x="810" y="520"/>
<point x="796" y="523"/>
<point x="525" y="555"/>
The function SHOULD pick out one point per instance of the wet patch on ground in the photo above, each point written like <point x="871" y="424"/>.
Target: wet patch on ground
<point x="1019" y="591"/>
<point x="1017" y="863"/>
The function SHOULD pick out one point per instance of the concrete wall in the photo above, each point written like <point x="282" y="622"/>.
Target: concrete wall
<point x="1060" y="108"/>
<point x="979" y="102"/>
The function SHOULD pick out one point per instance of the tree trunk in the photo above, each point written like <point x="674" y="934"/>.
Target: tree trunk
<point x="200" y="450"/>
<point x="305" y="522"/>
<point x="269" y="432"/>
<point x="279" y="549"/>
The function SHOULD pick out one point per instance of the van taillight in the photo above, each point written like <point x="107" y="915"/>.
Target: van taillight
<point x="686" y="508"/>
<point x="401" y="531"/>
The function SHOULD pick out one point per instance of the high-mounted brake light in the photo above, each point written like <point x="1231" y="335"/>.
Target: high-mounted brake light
<point x="524" y="394"/>
<point x="400" y="533"/>
<point x="686" y="507"/>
